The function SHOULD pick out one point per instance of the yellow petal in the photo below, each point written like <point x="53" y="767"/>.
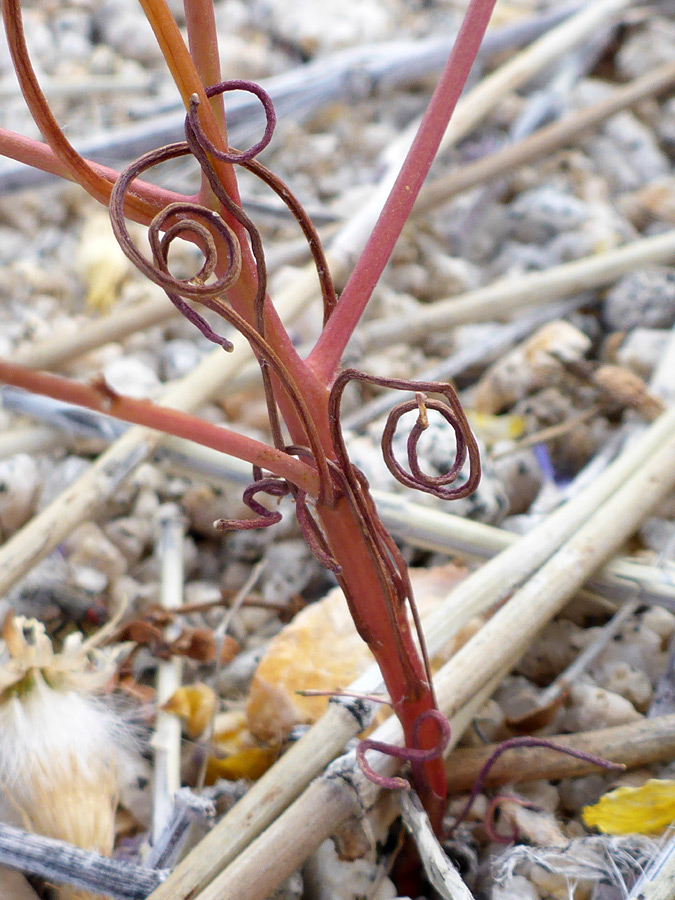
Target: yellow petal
<point x="493" y="428"/>
<point x="195" y="705"/>
<point x="634" y="810"/>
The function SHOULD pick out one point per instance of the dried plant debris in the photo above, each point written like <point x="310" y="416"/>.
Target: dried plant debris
<point x="65" y="753"/>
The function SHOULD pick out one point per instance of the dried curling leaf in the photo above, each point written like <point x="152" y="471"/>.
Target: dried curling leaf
<point x="195" y="705"/>
<point x="634" y="810"/>
<point x="237" y="753"/>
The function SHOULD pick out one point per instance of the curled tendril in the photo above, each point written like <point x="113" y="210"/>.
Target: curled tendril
<point x="273" y="487"/>
<point x="157" y="271"/>
<point x="410" y="754"/>
<point x="526" y="741"/>
<point x="451" y="411"/>
<point x="231" y="155"/>
<point x="205" y="227"/>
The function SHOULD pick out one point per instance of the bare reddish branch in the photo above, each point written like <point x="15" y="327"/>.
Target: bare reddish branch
<point x="171" y="421"/>
<point x="326" y="355"/>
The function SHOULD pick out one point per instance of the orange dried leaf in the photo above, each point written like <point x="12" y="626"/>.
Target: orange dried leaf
<point x="237" y="753"/>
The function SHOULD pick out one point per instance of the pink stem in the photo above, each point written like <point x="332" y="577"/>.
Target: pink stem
<point x="162" y="418"/>
<point x="41" y="156"/>
<point x="326" y="355"/>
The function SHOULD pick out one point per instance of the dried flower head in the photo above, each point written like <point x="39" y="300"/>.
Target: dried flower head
<point x="60" y="743"/>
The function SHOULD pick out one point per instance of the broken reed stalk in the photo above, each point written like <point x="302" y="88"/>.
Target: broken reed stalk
<point x="638" y="744"/>
<point x="62" y="863"/>
<point x="509" y="295"/>
<point x="268" y="797"/>
<point x="495" y="648"/>
<point x="442" y="532"/>
<point x="441" y="873"/>
<point x="543" y="142"/>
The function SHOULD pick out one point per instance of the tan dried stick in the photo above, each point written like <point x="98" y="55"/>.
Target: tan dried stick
<point x="509" y="295"/>
<point x="166" y="741"/>
<point x="544" y="141"/>
<point x="57" y="349"/>
<point x="637" y="744"/>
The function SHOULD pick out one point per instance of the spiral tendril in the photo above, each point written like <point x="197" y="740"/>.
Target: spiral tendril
<point x="412" y="754"/>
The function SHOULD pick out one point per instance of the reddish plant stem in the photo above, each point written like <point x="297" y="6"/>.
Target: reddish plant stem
<point x="325" y="357"/>
<point x="410" y="693"/>
<point x="161" y="418"/>
<point x="142" y="205"/>
<point x="203" y="43"/>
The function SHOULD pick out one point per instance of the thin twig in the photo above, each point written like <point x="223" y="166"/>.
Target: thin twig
<point x="510" y="295"/>
<point x="544" y="141"/>
<point x="166" y="740"/>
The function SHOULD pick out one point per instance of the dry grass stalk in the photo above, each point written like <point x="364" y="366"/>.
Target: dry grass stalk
<point x="544" y="141"/>
<point x="444" y="532"/>
<point x="658" y="880"/>
<point x="637" y="744"/>
<point x="502" y="640"/>
<point x="59" y="348"/>
<point x="496" y="647"/>
<point x="507" y="296"/>
<point x="166" y="740"/>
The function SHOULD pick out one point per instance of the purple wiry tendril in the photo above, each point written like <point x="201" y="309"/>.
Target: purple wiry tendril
<point x="189" y="219"/>
<point x="451" y="410"/>
<point x="274" y="487"/>
<point x="526" y="741"/>
<point x="412" y="754"/>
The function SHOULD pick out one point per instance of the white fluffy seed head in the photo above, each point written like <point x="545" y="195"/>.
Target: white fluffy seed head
<point x="61" y="746"/>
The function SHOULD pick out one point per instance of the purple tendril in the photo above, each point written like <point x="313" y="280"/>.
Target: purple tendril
<point x="412" y="754"/>
<point x="274" y="487"/>
<point x="231" y="155"/>
<point x="526" y="741"/>
<point x="451" y="411"/>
